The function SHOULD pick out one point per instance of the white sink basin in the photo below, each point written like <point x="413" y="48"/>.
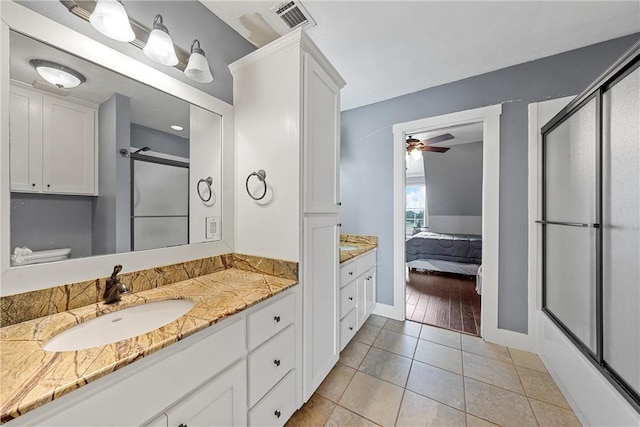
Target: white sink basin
<point x="347" y="248"/>
<point x="119" y="325"/>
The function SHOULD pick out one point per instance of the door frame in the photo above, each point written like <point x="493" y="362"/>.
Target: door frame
<point x="490" y="117"/>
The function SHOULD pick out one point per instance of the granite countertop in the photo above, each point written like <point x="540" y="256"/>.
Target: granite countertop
<point x="361" y="243"/>
<point x="32" y="377"/>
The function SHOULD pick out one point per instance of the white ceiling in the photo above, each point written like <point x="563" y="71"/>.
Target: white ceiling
<point x="385" y="49"/>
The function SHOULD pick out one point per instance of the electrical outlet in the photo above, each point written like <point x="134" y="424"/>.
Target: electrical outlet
<point x="212" y="231"/>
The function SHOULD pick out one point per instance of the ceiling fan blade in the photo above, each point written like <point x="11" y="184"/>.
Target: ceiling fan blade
<point x="435" y="149"/>
<point x="439" y="138"/>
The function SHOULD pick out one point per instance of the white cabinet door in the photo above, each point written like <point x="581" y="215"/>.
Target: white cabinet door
<point x="69" y="147"/>
<point x="370" y="292"/>
<point x="362" y="304"/>
<point x="321" y="139"/>
<point x="320" y="299"/>
<point x="25" y="130"/>
<point x="220" y="402"/>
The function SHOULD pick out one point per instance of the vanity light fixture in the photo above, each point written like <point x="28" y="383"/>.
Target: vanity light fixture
<point x="111" y="19"/>
<point x="198" y="66"/>
<point x="176" y="127"/>
<point x="159" y="47"/>
<point x="58" y="75"/>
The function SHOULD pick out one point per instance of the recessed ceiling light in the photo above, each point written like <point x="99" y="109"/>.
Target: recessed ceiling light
<point x="176" y="127"/>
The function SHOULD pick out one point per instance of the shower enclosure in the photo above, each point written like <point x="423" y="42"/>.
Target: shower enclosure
<point x="591" y="223"/>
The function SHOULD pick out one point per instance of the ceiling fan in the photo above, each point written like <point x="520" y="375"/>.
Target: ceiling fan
<point x="426" y="145"/>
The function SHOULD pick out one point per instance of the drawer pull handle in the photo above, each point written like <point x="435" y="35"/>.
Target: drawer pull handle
<point x="276" y="319"/>
<point x="182" y="425"/>
<point x="350" y="298"/>
<point x="351" y="328"/>
<point x="277" y="413"/>
<point x="276" y="362"/>
<point x="351" y="273"/>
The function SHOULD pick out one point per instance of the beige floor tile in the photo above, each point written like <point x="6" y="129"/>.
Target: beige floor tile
<point x="417" y="410"/>
<point x="491" y="371"/>
<point x="407" y="327"/>
<point x="526" y="359"/>
<point x="367" y="334"/>
<point x="354" y="353"/>
<point x="440" y="336"/>
<point x="386" y="366"/>
<point x="438" y="384"/>
<point x="372" y="398"/>
<point x="440" y="356"/>
<point x="336" y="382"/>
<point x="479" y="346"/>
<point x="394" y="342"/>
<point x="478" y="422"/>
<point x="343" y="417"/>
<point x="497" y="405"/>
<point x="375" y="320"/>
<point x="551" y="415"/>
<point x="540" y="386"/>
<point x="314" y="413"/>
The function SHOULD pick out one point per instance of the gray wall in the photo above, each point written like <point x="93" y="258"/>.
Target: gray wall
<point x="454" y="180"/>
<point x="186" y="20"/>
<point x="367" y="170"/>
<point x="44" y="221"/>
<point x="111" y="209"/>
<point x="161" y="142"/>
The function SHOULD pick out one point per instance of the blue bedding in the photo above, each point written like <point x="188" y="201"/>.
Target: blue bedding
<point x="464" y="248"/>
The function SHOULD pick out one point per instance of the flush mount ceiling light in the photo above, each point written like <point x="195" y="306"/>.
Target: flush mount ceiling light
<point x="176" y="127"/>
<point x="159" y="47"/>
<point x="198" y="66"/>
<point x="58" y="75"/>
<point x="111" y="19"/>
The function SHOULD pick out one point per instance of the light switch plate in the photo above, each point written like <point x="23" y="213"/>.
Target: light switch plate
<point x="212" y="228"/>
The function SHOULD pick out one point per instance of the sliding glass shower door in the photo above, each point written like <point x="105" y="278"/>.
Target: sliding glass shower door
<point x="591" y="224"/>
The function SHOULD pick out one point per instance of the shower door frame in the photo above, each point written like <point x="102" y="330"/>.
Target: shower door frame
<point x="629" y="63"/>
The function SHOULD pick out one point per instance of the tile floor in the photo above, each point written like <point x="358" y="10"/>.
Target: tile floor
<point x="408" y="374"/>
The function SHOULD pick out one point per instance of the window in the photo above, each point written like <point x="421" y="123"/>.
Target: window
<point x="416" y="218"/>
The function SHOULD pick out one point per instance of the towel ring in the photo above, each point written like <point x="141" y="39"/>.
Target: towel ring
<point x="262" y="177"/>
<point x="209" y="182"/>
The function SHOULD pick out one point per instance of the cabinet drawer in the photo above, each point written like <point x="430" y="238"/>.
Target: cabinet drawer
<point x="347" y="273"/>
<point x="367" y="261"/>
<point x="270" y="320"/>
<point x="348" y="328"/>
<point x="347" y="298"/>
<point x="278" y="405"/>
<point x="271" y="362"/>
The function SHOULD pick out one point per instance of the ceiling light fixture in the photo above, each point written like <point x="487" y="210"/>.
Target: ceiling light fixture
<point x="111" y="19"/>
<point x="176" y="127"/>
<point x="159" y="47"/>
<point x="198" y="66"/>
<point x="58" y="75"/>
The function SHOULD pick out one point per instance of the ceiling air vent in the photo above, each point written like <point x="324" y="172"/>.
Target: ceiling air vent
<point x="293" y="14"/>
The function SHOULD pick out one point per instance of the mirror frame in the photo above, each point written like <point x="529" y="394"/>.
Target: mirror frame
<point x="14" y="280"/>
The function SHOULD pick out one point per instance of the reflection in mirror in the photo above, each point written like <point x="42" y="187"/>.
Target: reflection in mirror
<point x="96" y="169"/>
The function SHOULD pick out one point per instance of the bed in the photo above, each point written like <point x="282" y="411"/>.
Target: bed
<point x="446" y="252"/>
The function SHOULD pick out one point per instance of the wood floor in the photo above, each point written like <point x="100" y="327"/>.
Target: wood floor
<point x="445" y="300"/>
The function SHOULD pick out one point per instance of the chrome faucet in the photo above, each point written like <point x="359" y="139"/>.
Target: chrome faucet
<point x="114" y="287"/>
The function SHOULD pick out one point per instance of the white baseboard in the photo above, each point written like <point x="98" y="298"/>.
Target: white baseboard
<point x="593" y="399"/>
<point x="507" y="338"/>
<point x="386" y="310"/>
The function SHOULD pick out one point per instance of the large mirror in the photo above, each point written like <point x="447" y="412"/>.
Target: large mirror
<point x="109" y="166"/>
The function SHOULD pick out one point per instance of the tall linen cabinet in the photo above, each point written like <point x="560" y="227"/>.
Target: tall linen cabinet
<point x="287" y="119"/>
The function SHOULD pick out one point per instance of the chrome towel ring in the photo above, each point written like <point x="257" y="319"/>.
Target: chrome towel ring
<point x="262" y="177"/>
<point x="208" y="181"/>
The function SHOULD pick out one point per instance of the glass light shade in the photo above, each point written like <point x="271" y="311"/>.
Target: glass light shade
<point x="111" y="19"/>
<point x="159" y="47"/>
<point x="198" y="68"/>
<point x="58" y="75"/>
<point x="416" y="154"/>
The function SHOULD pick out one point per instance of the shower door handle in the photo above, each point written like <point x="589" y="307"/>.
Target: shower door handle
<point x="570" y="224"/>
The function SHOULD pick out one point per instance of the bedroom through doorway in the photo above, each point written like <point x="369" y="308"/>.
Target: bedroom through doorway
<point x="443" y="227"/>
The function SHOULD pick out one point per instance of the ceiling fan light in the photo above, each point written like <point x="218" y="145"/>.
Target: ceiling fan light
<point x="160" y="47"/>
<point x="416" y="154"/>
<point x="111" y="19"/>
<point x="198" y="66"/>
<point x="58" y="75"/>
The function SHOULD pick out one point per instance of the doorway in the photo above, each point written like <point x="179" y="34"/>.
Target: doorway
<point x="490" y="118"/>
